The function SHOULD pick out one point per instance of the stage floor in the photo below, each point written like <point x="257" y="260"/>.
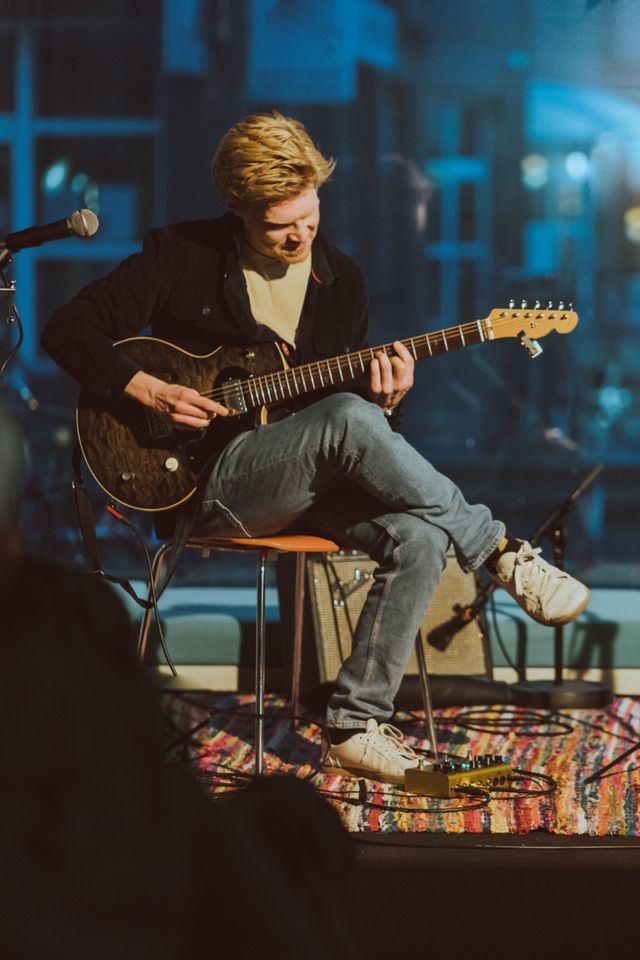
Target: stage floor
<point x="533" y="895"/>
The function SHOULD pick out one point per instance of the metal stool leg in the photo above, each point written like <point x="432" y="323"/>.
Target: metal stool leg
<point x="426" y="696"/>
<point x="260" y="657"/>
<point x="297" y="635"/>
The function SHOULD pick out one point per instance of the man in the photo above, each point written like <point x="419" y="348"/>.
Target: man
<point x="263" y="272"/>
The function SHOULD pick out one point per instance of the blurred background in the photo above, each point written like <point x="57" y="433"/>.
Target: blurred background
<point x="487" y="151"/>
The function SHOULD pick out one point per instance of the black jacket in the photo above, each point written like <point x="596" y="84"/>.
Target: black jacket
<point x="188" y="286"/>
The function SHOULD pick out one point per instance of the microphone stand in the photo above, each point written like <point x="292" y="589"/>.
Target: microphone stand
<point x="559" y="693"/>
<point x="12" y="314"/>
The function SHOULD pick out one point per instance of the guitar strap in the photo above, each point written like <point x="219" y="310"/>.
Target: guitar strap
<point x="87" y="526"/>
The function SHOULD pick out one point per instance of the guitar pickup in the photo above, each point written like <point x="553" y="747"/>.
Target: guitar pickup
<point x="160" y="427"/>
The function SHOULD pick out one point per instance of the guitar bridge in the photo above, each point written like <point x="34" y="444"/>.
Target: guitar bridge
<point x="233" y="396"/>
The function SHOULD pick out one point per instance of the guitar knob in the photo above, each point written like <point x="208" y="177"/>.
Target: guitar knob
<point x="127" y="475"/>
<point x="171" y="464"/>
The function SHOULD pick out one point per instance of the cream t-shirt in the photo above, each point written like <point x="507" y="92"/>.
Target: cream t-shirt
<point x="276" y="290"/>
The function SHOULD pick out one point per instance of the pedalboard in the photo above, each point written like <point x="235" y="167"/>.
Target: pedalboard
<point x="450" y="775"/>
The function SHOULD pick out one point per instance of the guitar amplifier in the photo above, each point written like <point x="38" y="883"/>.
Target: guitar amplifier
<point x="336" y="589"/>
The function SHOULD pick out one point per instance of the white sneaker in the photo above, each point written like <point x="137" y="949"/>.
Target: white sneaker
<point x="547" y="594"/>
<point x="378" y="753"/>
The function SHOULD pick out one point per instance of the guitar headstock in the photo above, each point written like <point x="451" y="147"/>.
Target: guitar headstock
<point x="530" y="321"/>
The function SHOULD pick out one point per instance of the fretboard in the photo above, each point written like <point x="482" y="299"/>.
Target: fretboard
<point x="294" y="382"/>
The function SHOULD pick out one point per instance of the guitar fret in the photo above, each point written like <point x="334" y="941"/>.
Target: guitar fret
<point x="464" y="342"/>
<point x="280" y="387"/>
<point x="428" y="339"/>
<point x="301" y="371"/>
<point x="286" y="380"/>
<point x="482" y="336"/>
<point x="340" y="369"/>
<point x="320" y="373"/>
<point x="350" y="367"/>
<point x="444" y="340"/>
<point x="361" y="361"/>
<point x="329" y="371"/>
<point x="313" y="383"/>
<point x="413" y="348"/>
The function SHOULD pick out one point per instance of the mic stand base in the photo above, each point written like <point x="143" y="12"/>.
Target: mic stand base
<point x="568" y="695"/>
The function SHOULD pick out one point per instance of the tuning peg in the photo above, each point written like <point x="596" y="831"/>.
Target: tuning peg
<point x="571" y="305"/>
<point x="512" y="303"/>
<point x="561" y="305"/>
<point x="537" y="306"/>
<point x="523" y="304"/>
<point x="550" y="305"/>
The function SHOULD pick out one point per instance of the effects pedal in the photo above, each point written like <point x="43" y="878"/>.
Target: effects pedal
<point x="447" y="776"/>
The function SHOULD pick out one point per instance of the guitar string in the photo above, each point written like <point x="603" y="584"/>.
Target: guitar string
<point x="325" y="368"/>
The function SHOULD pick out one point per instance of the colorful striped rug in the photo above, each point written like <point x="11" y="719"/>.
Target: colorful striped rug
<point x="554" y="752"/>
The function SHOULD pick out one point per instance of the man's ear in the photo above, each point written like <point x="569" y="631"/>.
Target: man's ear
<point x="238" y="209"/>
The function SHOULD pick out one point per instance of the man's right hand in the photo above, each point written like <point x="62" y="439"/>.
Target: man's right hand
<point x="184" y="406"/>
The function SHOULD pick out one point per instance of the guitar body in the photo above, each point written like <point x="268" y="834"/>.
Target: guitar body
<point x="136" y="455"/>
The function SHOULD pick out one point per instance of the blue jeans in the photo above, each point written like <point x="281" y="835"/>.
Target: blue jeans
<point x="338" y="470"/>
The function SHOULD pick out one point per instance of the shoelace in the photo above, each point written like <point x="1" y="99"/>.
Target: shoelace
<point x="539" y="568"/>
<point x="392" y="733"/>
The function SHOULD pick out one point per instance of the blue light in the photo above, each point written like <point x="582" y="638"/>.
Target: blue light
<point x="55" y="177"/>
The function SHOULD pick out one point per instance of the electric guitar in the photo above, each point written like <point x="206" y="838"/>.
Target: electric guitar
<point x="143" y="461"/>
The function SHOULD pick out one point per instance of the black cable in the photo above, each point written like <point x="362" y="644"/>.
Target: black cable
<point x="519" y="719"/>
<point x="396" y="808"/>
<point x="13" y="316"/>
<point x="120" y="517"/>
<point x="594" y="726"/>
<point x="525" y="775"/>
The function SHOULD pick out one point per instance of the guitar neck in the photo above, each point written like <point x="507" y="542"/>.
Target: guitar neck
<point x="297" y="381"/>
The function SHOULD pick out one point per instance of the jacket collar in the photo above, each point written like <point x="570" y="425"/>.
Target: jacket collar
<point x="322" y="261"/>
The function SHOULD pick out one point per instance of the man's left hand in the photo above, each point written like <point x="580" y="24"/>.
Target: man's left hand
<point x="391" y="377"/>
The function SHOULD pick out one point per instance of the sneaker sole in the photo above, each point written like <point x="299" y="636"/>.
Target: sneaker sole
<point x="356" y="773"/>
<point x="569" y="618"/>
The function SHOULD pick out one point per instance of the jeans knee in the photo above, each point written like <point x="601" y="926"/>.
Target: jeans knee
<point x="353" y="421"/>
<point x="419" y="542"/>
<point x="347" y="407"/>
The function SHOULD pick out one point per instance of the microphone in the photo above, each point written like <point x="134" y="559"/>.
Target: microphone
<point x="441" y="636"/>
<point x="81" y="223"/>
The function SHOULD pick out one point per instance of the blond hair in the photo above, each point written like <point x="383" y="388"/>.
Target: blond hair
<point x="266" y="158"/>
